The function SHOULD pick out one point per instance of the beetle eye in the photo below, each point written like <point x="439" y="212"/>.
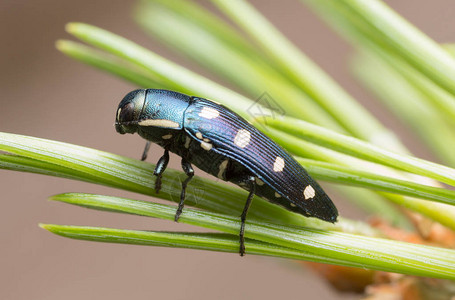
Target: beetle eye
<point x="127" y="113"/>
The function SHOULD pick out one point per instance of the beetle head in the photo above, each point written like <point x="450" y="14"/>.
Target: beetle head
<point x="129" y="111"/>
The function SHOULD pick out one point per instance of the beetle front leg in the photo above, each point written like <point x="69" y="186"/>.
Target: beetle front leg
<point x="252" y="189"/>
<point x="159" y="169"/>
<point x="188" y="169"/>
<point x="146" y="150"/>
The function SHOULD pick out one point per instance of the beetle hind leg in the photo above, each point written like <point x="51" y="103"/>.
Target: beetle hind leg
<point x="159" y="169"/>
<point x="188" y="169"/>
<point x="250" y="181"/>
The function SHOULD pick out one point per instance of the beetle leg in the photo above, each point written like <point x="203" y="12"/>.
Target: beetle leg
<point x="159" y="169"/>
<point x="188" y="169"/>
<point x="146" y="150"/>
<point x="252" y="189"/>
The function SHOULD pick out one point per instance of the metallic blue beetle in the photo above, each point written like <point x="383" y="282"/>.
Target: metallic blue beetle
<point x="223" y="144"/>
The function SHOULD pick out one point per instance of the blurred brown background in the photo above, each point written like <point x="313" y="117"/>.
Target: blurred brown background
<point x="46" y="94"/>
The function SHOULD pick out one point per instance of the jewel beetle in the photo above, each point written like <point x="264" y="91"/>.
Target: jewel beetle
<point x="223" y="144"/>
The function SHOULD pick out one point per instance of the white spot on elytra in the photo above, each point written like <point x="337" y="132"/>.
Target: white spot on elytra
<point x="309" y="192"/>
<point x="277" y="195"/>
<point x="259" y="181"/>
<point x="293" y="205"/>
<point x="278" y="166"/>
<point x="209" y="113"/>
<point x="199" y="135"/>
<point x="166" y="137"/>
<point x="206" y="146"/>
<point x="242" y="138"/>
<point x="159" y="123"/>
<point x="222" y="170"/>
